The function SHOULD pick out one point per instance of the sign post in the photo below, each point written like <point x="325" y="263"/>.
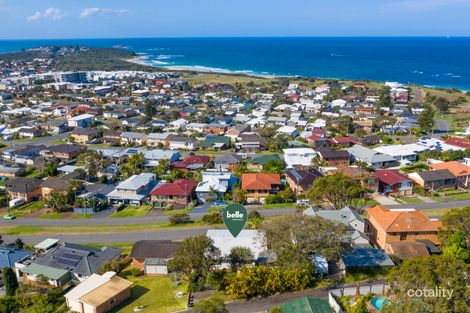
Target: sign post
<point x="235" y="217"/>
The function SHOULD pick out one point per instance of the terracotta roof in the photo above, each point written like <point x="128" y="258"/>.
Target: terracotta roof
<point x="181" y="187"/>
<point x="409" y="250"/>
<point x="191" y="160"/>
<point x="402" y="221"/>
<point x="456" y="168"/>
<point x="260" y="181"/>
<point x="459" y="142"/>
<point x="390" y="177"/>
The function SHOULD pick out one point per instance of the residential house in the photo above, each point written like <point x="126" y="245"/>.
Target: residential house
<point x="404" y="154"/>
<point x="227" y="161"/>
<point x="258" y="162"/>
<point x="9" y="255"/>
<point x="27" y="132"/>
<point x="373" y="158"/>
<point x="214" y="181"/>
<point x="299" y="157"/>
<point x="362" y="177"/>
<point x="216" y="143"/>
<point x="134" y="190"/>
<point x="394" y="183"/>
<point x="177" y="194"/>
<point x="459" y="170"/>
<point x="348" y="217"/>
<point x="58" y="184"/>
<point x="215" y="129"/>
<point x="112" y="138"/>
<point x="133" y="139"/>
<point x="343" y="142"/>
<point x="260" y="185"/>
<point x="235" y="131"/>
<point x="434" y="180"/>
<point x="9" y="172"/>
<point x="83" y="120"/>
<point x="370" y="140"/>
<point x="389" y="226"/>
<point x="152" y="256"/>
<point x="250" y="142"/>
<point x="63" y="152"/>
<point x="191" y="162"/>
<point x="85" y="135"/>
<point x="153" y="157"/>
<point x="184" y="143"/>
<point x="288" y="131"/>
<point x="157" y="139"/>
<point x="334" y="157"/>
<point x="98" y="293"/>
<point x="300" y="181"/>
<point x="77" y="260"/>
<point x="28" y="189"/>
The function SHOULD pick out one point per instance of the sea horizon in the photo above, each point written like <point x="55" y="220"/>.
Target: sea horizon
<point x="435" y="61"/>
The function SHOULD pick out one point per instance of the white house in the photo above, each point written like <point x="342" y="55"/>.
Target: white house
<point x="134" y="190"/>
<point x="82" y="120"/>
<point x="219" y="181"/>
<point x="338" y="103"/>
<point x="405" y="154"/>
<point x="299" y="156"/>
<point x="288" y="131"/>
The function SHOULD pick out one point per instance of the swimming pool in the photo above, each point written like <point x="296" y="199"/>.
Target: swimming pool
<point x="378" y="302"/>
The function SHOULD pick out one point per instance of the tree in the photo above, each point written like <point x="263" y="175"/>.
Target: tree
<point x="456" y="247"/>
<point x="176" y="219"/>
<point x="149" y="109"/>
<point x="274" y="166"/>
<point x="92" y="161"/>
<point x="162" y="167"/>
<point x="338" y="190"/>
<point x="431" y="273"/>
<point x="384" y="98"/>
<point x="290" y="237"/>
<point x="1" y="240"/>
<point x="19" y="244"/>
<point x="10" y="281"/>
<point x="213" y="304"/>
<point x="56" y="200"/>
<point x="441" y="104"/>
<point x="9" y="305"/>
<point x="426" y="119"/>
<point x="239" y="196"/>
<point x="240" y="256"/>
<point x="50" y="170"/>
<point x="134" y="164"/>
<point x="194" y="258"/>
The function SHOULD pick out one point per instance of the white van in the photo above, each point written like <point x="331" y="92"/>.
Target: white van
<point x="15" y="202"/>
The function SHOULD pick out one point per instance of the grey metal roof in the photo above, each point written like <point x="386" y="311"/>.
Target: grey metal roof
<point x="364" y="257"/>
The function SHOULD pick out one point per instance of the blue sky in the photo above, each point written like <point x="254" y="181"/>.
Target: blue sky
<point x="35" y="19"/>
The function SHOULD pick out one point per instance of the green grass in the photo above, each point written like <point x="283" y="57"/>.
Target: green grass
<point x="437" y="198"/>
<point x="459" y="196"/>
<point x="52" y="215"/>
<point x="174" y="212"/>
<point x="132" y="211"/>
<point x="435" y="212"/>
<point x="279" y="205"/>
<point x="366" y="203"/>
<point x="125" y="246"/>
<point x="81" y="216"/>
<point x="410" y="200"/>
<point x="215" y="208"/>
<point x="98" y="229"/>
<point x="155" y="294"/>
<point x="34" y="174"/>
<point x="27" y="208"/>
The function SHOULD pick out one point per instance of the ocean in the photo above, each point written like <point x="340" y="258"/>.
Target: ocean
<point x="430" y="61"/>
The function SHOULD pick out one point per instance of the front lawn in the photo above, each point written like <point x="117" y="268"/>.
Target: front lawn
<point x="279" y="205"/>
<point x="458" y="195"/>
<point x="52" y="215"/>
<point x="133" y="211"/>
<point x="155" y="294"/>
<point x="435" y="212"/>
<point x="27" y="208"/>
<point x="410" y="200"/>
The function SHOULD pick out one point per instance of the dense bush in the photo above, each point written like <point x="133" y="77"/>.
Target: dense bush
<point x="179" y="219"/>
<point x="260" y="280"/>
<point x="214" y="218"/>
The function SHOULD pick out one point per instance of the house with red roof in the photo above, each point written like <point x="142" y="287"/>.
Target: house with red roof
<point x="191" y="162"/>
<point x="178" y="193"/>
<point x="341" y="141"/>
<point x="458" y="142"/>
<point x="260" y="185"/>
<point x="459" y="170"/>
<point x="394" y="183"/>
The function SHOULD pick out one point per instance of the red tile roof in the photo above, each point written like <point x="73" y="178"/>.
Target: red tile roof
<point x="181" y="187"/>
<point x="459" y="142"/>
<point x="456" y="168"/>
<point x="260" y="181"/>
<point x="390" y="177"/>
<point x="401" y="221"/>
<point x="191" y="160"/>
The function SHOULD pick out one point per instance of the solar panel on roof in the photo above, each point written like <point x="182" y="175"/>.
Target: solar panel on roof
<point x="71" y="256"/>
<point x="132" y="151"/>
<point x="67" y="262"/>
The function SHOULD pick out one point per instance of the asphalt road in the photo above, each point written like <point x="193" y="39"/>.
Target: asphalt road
<point x="196" y="216"/>
<point x="173" y="234"/>
<point x="39" y="141"/>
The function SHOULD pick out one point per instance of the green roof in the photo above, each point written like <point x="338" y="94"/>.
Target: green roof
<point x="49" y="272"/>
<point x="306" y="305"/>
<point x="263" y="159"/>
<point x="212" y="140"/>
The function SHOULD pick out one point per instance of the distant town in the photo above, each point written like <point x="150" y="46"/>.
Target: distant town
<point x="114" y="176"/>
